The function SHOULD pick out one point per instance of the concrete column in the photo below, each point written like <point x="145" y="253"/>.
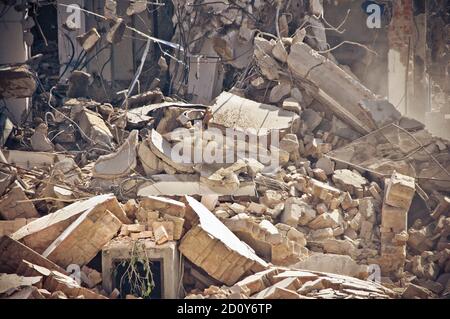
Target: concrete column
<point x="13" y="49"/>
<point x="400" y="68"/>
<point x="64" y="44"/>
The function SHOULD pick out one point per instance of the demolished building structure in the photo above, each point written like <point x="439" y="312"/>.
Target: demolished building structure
<point x="238" y="155"/>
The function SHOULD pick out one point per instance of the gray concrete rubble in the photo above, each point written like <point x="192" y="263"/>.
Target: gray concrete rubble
<point x="238" y="150"/>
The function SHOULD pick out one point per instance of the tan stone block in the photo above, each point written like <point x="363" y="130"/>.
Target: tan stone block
<point x="400" y="190"/>
<point x="84" y="238"/>
<point x="163" y="205"/>
<point x="40" y="233"/>
<point x="12" y="254"/>
<point x="135" y="228"/>
<point x="394" y="218"/>
<point x="178" y="224"/>
<point x="15" y="204"/>
<point x="7" y="227"/>
<point x="161" y="234"/>
<point x="142" y="235"/>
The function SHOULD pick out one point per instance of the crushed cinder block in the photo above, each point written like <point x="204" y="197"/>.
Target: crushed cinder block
<point x="90" y="277"/>
<point x="326" y="220"/>
<point x="267" y="241"/>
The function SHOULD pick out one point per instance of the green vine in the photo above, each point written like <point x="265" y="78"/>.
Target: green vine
<point x="140" y="285"/>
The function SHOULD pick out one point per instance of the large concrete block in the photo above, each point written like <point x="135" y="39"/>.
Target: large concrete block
<point x="40" y="233"/>
<point x="12" y="254"/>
<point x="163" y="205"/>
<point x="400" y="191"/>
<point x="214" y="248"/>
<point x="394" y="218"/>
<point x="84" y="238"/>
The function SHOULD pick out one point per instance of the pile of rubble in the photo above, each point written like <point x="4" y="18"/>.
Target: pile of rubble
<point x="356" y="207"/>
<point x="280" y="283"/>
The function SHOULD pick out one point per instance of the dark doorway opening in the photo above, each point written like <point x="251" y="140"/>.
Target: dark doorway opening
<point x="123" y="282"/>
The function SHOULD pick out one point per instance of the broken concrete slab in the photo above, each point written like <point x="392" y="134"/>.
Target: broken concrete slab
<point x="400" y="190"/>
<point x="151" y="164"/>
<point x="326" y="164"/>
<point x="350" y="181"/>
<point x="120" y="163"/>
<point x="188" y="184"/>
<point x="15" y="204"/>
<point x="84" y="238"/>
<point x="10" y="282"/>
<point x="12" y="254"/>
<point x="7" y="227"/>
<point x="306" y="62"/>
<point x="280" y="92"/>
<point x="40" y="233"/>
<point x="94" y="127"/>
<point x="285" y="289"/>
<point x="163" y="205"/>
<point x="213" y="247"/>
<point x="336" y="264"/>
<point x="229" y="112"/>
<point x="17" y="82"/>
<point x="55" y="281"/>
<point x="258" y="282"/>
<point x="163" y="150"/>
<point x="31" y="160"/>
<point x="311" y="120"/>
